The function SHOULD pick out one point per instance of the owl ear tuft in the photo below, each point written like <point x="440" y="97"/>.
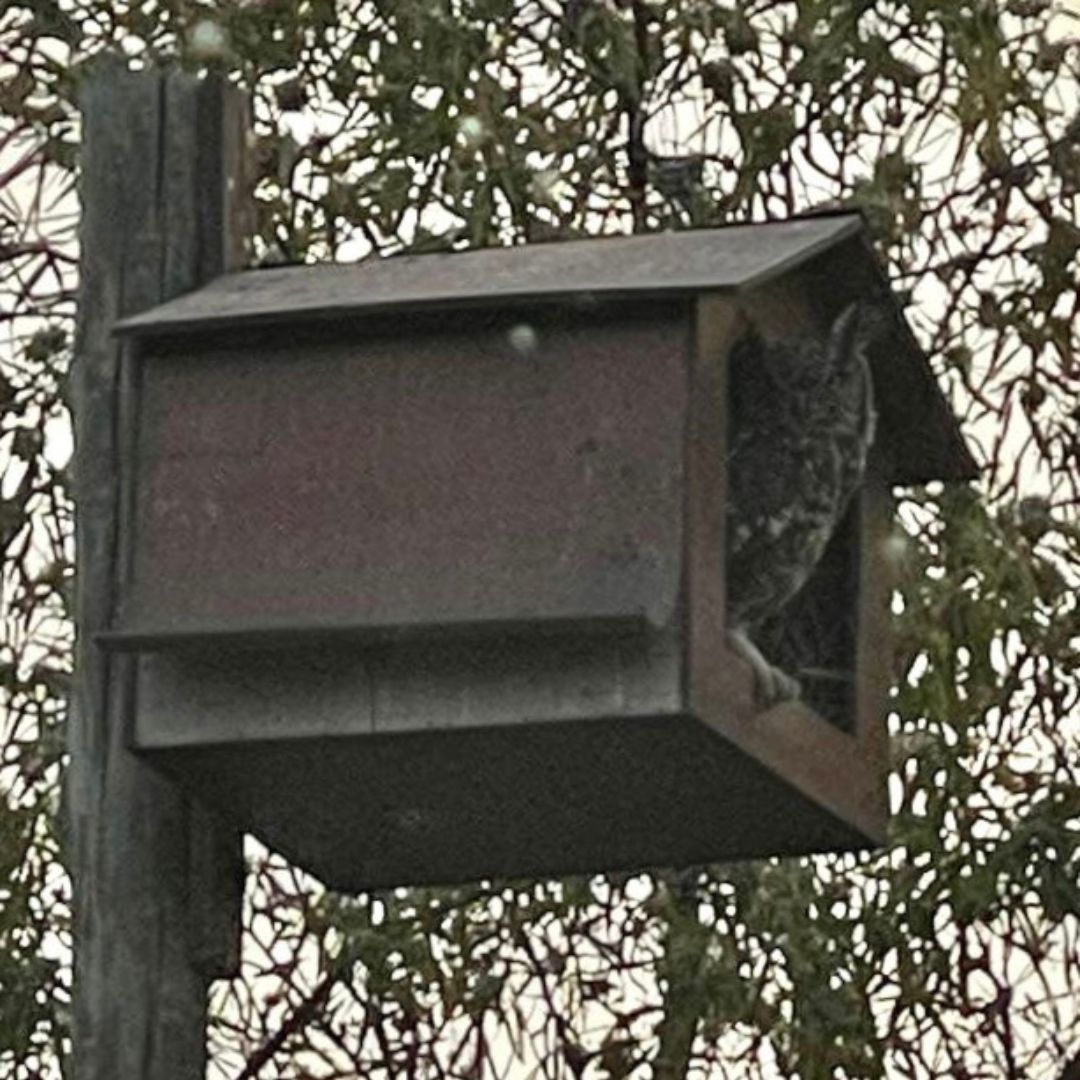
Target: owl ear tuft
<point x="843" y="335"/>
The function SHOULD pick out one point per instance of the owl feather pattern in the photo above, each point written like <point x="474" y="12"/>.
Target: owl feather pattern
<point x="801" y="425"/>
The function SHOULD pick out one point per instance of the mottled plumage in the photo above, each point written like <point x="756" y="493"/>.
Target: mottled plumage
<point x="802" y="421"/>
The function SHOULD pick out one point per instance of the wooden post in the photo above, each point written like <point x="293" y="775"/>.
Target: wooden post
<point x="157" y="880"/>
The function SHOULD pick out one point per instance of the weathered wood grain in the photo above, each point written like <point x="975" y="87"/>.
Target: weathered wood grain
<point x="204" y="698"/>
<point x="157" y="880"/>
<point x="412" y="479"/>
<point x="717" y="322"/>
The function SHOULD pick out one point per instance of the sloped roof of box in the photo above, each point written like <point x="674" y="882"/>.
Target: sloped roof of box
<point x="925" y="438"/>
<point x="655" y="264"/>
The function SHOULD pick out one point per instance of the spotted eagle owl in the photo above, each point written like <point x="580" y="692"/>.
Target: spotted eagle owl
<point x="801" y="425"/>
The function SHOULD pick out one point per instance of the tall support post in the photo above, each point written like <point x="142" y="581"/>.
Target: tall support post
<point x="157" y="879"/>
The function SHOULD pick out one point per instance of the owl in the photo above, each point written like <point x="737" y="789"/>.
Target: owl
<point x="801" y="424"/>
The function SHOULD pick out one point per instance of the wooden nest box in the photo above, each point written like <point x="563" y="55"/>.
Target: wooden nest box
<point x="422" y="566"/>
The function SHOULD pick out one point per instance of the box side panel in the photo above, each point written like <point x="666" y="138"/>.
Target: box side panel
<point x="193" y="698"/>
<point x="813" y="637"/>
<point x="711" y="674"/>
<point x="815" y="744"/>
<point x="508" y="472"/>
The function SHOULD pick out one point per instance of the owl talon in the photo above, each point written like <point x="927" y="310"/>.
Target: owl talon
<point x="781" y="687"/>
<point x="771" y="685"/>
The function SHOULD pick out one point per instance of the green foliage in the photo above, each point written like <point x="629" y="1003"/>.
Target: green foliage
<point x="427" y="124"/>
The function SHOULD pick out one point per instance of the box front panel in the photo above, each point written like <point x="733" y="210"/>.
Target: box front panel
<point x="511" y="469"/>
